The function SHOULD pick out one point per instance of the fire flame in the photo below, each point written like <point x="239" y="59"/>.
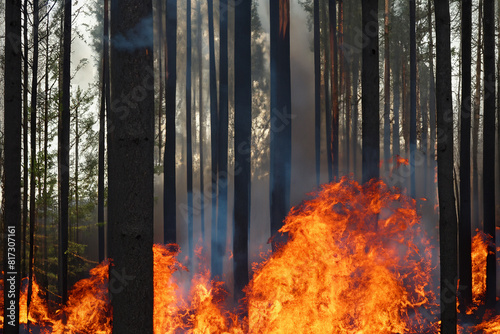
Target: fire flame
<point x="357" y="261"/>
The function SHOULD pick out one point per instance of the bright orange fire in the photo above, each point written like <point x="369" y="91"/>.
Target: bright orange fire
<point x="357" y="261"/>
<point x="479" y="253"/>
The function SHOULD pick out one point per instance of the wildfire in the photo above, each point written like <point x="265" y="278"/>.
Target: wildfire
<point x="357" y="261"/>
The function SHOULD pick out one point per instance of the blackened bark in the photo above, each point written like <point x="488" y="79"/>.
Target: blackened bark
<point x="335" y="89"/>
<point x="447" y="212"/>
<point x="281" y="124"/>
<point x="317" y="93"/>
<point x="219" y="232"/>
<point x="355" y="111"/>
<point x="64" y="156"/>
<point x="387" y="88"/>
<point x="12" y="162"/>
<point x="432" y="88"/>
<point x="489" y="148"/>
<point x="131" y="137"/>
<point x="169" y="189"/>
<point x="465" y="123"/>
<point x="370" y="88"/>
<point x="413" y="98"/>
<point x="25" y="138"/>
<point x="396" y="70"/>
<point x="242" y="137"/>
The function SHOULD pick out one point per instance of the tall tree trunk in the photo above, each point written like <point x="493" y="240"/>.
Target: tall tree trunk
<point x="12" y="164"/>
<point x="432" y="86"/>
<point x="489" y="148"/>
<point x="64" y="156"/>
<point x="242" y="134"/>
<point x="370" y="88"/>
<point x="105" y="100"/>
<point x="475" y="126"/>
<point x="396" y="68"/>
<point x="326" y="91"/>
<point x="189" y="134"/>
<point x="45" y="283"/>
<point x="317" y="92"/>
<point x="413" y="98"/>
<point x="130" y="170"/>
<point x="447" y="212"/>
<point x="355" y="112"/>
<point x="34" y="93"/>
<point x="465" y="123"/>
<point x="159" y="12"/>
<point x="200" y="113"/>
<point x="213" y="108"/>
<point x="335" y="90"/>
<point x="219" y="231"/>
<point x="281" y="124"/>
<point x="387" y="88"/>
<point x="169" y="188"/>
<point x="25" y="139"/>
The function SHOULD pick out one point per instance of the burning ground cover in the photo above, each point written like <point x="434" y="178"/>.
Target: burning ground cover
<point x="357" y="261"/>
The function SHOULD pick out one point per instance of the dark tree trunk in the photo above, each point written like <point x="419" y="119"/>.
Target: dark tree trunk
<point x="447" y="212"/>
<point x="169" y="189"/>
<point x="242" y="137"/>
<point x="34" y="93"/>
<point x="219" y="231"/>
<point x="413" y="98"/>
<point x="159" y="12"/>
<point x="105" y="100"/>
<point x="489" y="148"/>
<point x="213" y="109"/>
<point x="281" y="124"/>
<point x="200" y="113"/>
<point x="45" y="284"/>
<point x="335" y="90"/>
<point x="475" y="125"/>
<point x="130" y="170"/>
<point x="387" y="89"/>
<point x="465" y="123"/>
<point x="326" y="90"/>
<point x="25" y="139"/>
<point x="317" y="92"/>
<point x="12" y="164"/>
<point x="370" y="88"/>
<point x="431" y="156"/>
<point x="396" y="68"/>
<point x="355" y="111"/>
<point x="189" y="134"/>
<point x="64" y="156"/>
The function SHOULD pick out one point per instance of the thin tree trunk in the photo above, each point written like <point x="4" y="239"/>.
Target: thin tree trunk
<point x="45" y="162"/>
<point x="370" y="87"/>
<point x="387" y="88"/>
<point x="335" y="89"/>
<point x="12" y="163"/>
<point x="131" y="171"/>
<point x="326" y="82"/>
<point x="159" y="12"/>
<point x="64" y="156"/>
<point x="489" y="149"/>
<point x="200" y="114"/>
<point x="213" y="109"/>
<point x="220" y="231"/>
<point x="34" y="93"/>
<point x="25" y="139"/>
<point x="242" y="133"/>
<point x="432" y="88"/>
<point x="413" y="98"/>
<point x="317" y="92"/>
<point x="169" y="187"/>
<point x="396" y="66"/>
<point x="447" y="212"/>
<point x="465" y="187"/>
<point x="355" y="112"/>
<point x="189" y="134"/>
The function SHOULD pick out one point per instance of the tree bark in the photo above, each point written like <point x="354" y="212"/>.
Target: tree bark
<point x="317" y="92"/>
<point x="169" y="187"/>
<point x="370" y="88"/>
<point x="131" y="123"/>
<point x="387" y="88"/>
<point x="489" y="148"/>
<point x="465" y="186"/>
<point x="200" y="114"/>
<point x="242" y="136"/>
<point x="335" y="89"/>
<point x="12" y="163"/>
<point x="25" y="139"/>
<point x="189" y="134"/>
<point x="413" y="98"/>
<point x="396" y="74"/>
<point x="447" y="212"/>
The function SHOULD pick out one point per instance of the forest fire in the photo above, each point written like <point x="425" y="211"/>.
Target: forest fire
<point x="340" y="272"/>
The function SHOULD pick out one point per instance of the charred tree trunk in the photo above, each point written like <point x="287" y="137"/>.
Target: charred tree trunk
<point x="447" y="212"/>
<point x="355" y="111"/>
<point x="169" y="188"/>
<point x="370" y="88"/>
<point x="12" y="164"/>
<point x="335" y="90"/>
<point x="130" y="170"/>
<point x="242" y="135"/>
<point x="159" y="12"/>
<point x="219" y="232"/>
<point x="465" y="123"/>
<point x="64" y="156"/>
<point x="396" y="68"/>
<point x="317" y="92"/>
<point x="25" y="139"/>
<point x="387" y="89"/>
<point x="200" y="114"/>
<point x="489" y="148"/>
<point x="413" y="98"/>
<point x="189" y="134"/>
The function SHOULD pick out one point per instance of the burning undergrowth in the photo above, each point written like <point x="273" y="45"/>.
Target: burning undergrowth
<point x="357" y="261"/>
